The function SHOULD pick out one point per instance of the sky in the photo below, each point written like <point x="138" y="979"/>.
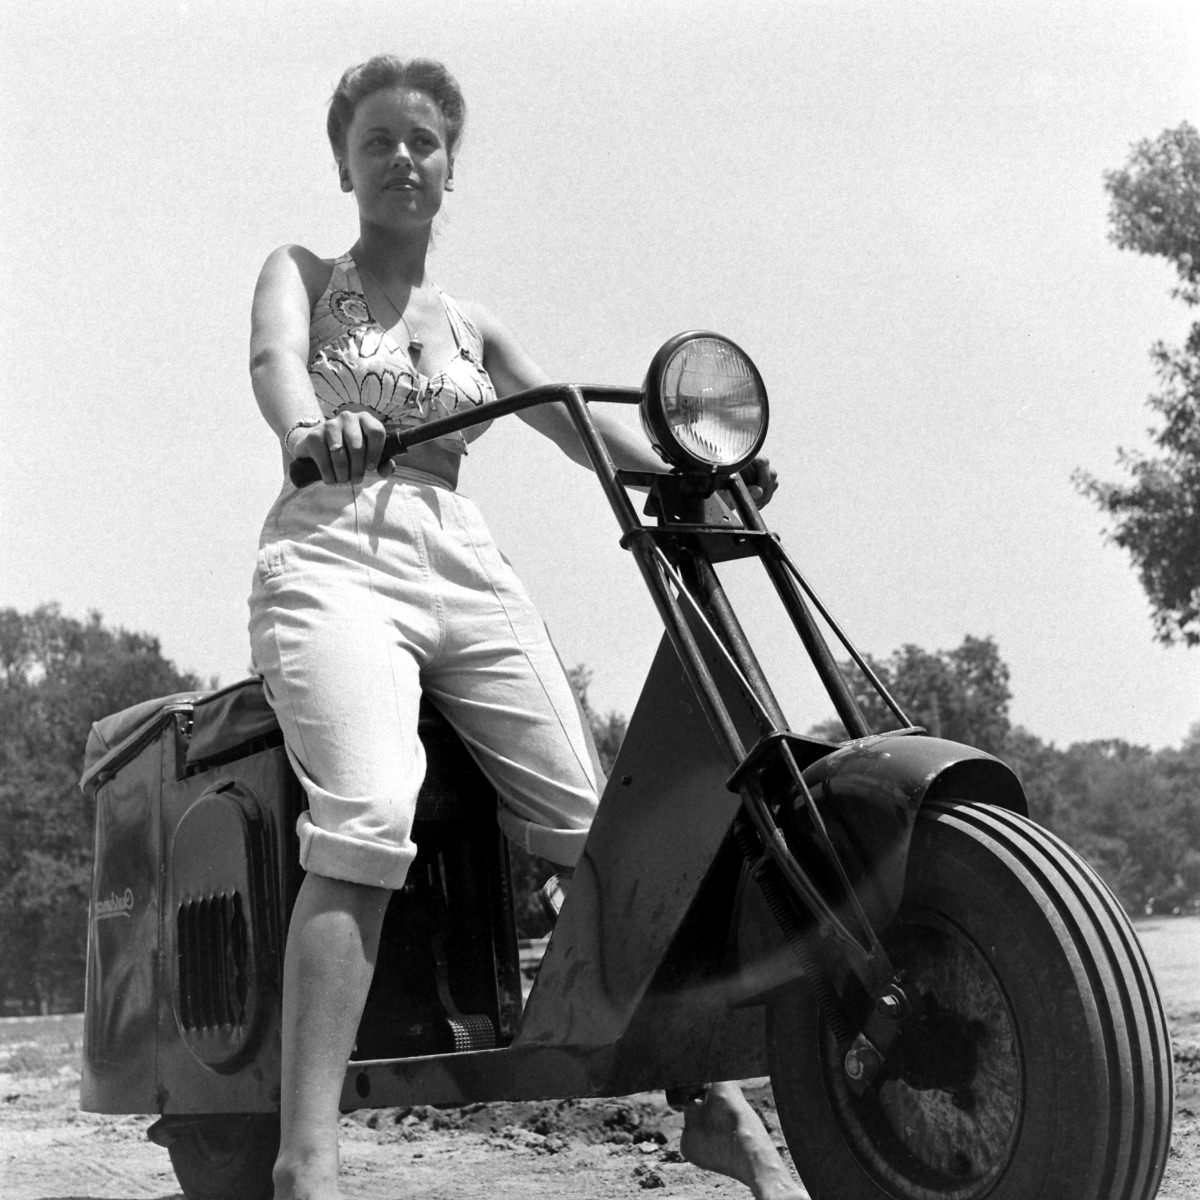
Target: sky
<point x="897" y="209"/>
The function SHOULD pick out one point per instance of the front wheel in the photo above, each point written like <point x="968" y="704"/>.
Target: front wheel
<point x="1050" y="1075"/>
<point x="223" y="1157"/>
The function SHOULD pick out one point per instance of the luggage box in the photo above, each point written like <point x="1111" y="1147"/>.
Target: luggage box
<point x="194" y="876"/>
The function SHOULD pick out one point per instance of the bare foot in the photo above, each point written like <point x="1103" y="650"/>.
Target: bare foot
<point x="724" y="1134"/>
<point x="312" y="1181"/>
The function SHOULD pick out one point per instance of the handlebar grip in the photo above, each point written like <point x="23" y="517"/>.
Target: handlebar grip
<point x="303" y="471"/>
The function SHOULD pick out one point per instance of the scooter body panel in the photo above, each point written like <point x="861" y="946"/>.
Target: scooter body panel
<point x="632" y="992"/>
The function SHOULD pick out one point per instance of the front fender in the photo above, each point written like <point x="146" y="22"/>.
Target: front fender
<point x="870" y="790"/>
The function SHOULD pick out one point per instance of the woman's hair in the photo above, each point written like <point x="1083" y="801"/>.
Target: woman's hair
<point x="388" y="71"/>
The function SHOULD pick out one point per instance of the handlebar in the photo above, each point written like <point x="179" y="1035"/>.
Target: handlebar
<point x="303" y="471"/>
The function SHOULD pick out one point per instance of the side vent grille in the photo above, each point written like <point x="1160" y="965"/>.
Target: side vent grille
<point x="268" y="906"/>
<point x="213" y="949"/>
<point x="228" y="924"/>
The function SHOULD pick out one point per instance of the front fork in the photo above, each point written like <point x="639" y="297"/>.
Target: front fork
<point x="771" y="782"/>
<point x="676" y="563"/>
<point x="792" y="894"/>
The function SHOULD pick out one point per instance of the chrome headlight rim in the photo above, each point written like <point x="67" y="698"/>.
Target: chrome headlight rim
<point x="658" y="428"/>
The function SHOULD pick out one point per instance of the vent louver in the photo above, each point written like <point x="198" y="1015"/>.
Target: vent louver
<point x="227" y="925"/>
<point x="213" y="949"/>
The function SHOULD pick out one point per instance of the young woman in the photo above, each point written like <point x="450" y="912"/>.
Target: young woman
<point x="382" y="582"/>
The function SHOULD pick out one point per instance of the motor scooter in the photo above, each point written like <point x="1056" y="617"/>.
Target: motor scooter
<point x="949" y="1002"/>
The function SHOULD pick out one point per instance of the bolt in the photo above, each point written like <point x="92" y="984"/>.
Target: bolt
<point x="862" y="1062"/>
<point x="890" y="1005"/>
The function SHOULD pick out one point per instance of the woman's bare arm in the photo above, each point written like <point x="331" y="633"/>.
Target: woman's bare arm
<point x="279" y="320"/>
<point x="343" y="447"/>
<point x="512" y="370"/>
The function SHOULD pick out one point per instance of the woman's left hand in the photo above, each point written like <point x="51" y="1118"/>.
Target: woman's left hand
<point x="762" y="480"/>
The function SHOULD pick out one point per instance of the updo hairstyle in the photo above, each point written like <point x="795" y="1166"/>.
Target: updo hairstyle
<point x="387" y="71"/>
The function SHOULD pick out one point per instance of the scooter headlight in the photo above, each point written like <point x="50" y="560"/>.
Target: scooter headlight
<point x="704" y="406"/>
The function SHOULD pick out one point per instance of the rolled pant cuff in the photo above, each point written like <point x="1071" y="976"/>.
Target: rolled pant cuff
<point x="561" y="846"/>
<point x="339" y="857"/>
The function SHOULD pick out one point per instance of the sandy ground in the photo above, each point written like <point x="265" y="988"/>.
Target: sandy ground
<point x="597" y="1149"/>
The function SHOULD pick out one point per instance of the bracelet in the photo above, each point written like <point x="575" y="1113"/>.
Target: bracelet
<point x="303" y="423"/>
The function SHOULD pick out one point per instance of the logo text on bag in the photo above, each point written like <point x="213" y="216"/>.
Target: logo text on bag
<point x="116" y="905"/>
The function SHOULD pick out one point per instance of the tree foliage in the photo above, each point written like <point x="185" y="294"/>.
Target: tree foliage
<point x="1156" y="204"/>
<point x="1131" y="812"/>
<point x="608" y="732"/>
<point x="57" y="676"/>
<point x="960" y="694"/>
<point x="1155" y="512"/>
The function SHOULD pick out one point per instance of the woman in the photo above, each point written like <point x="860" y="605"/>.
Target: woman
<point x="382" y="582"/>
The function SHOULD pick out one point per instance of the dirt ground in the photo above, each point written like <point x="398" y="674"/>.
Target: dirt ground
<point x="598" y="1149"/>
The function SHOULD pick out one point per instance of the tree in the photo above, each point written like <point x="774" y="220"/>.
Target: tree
<point x="43" y="925"/>
<point x="57" y="676"/>
<point x="1155" y="514"/>
<point x="1132" y="813"/>
<point x="608" y="732"/>
<point x="1039" y="766"/>
<point x="960" y="694"/>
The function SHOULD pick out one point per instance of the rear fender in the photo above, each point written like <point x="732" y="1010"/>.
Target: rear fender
<point x="870" y="790"/>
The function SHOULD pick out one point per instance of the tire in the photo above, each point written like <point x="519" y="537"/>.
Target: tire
<point x="1070" y="1088"/>
<point x="226" y="1158"/>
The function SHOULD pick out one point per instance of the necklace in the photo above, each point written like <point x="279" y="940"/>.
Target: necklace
<point x="415" y="345"/>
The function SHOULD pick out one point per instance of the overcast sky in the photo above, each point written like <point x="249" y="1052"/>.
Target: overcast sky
<point x="897" y="209"/>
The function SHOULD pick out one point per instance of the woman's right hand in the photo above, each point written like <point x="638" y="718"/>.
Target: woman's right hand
<point x="344" y="447"/>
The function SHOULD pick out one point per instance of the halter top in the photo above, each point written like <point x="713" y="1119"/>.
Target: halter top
<point x="355" y="363"/>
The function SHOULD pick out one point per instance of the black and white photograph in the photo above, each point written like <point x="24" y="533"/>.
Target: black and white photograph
<point x="600" y="597"/>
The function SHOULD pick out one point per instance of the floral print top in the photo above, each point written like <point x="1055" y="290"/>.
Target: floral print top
<point x="356" y="364"/>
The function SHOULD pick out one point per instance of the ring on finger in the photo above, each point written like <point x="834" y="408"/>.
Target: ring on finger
<point x="335" y="449"/>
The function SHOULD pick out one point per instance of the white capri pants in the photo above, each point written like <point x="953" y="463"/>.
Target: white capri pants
<point x="366" y="595"/>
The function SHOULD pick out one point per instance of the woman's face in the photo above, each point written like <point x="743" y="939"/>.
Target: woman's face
<point x="397" y="160"/>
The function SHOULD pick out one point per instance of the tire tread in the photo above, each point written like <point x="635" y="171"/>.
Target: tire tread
<point x="1114" y="1027"/>
<point x="1134" y="1023"/>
